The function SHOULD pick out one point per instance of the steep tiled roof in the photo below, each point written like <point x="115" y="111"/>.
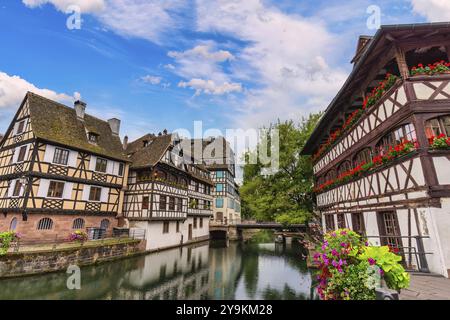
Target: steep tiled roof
<point x="149" y="155"/>
<point x="55" y="122"/>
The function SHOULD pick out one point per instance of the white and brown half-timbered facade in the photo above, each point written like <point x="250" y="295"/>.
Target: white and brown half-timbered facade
<point x="60" y="170"/>
<point x="381" y="161"/>
<point x="160" y="198"/>
<point x="217" y="156"/>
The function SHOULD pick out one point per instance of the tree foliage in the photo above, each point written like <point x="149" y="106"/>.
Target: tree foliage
<point x="285" y="196"/>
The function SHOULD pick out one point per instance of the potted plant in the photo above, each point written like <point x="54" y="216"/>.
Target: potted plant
<point x="78" y="236"/>
<point x="351" y="269"/>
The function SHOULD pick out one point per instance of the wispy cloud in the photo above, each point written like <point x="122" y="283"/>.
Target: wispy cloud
<point x="433" y="10"/>
<point x="151" y="79"/>
<point x="13" y="90"/>
<point x="210" y="87"/>
<point x="86" y="6"/>
<point x="288" y="58"/>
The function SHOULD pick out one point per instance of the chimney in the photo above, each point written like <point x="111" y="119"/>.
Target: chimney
<point x="125" y="143"/>
<point x="114" y="124"/>
<point x="80" y="108"/>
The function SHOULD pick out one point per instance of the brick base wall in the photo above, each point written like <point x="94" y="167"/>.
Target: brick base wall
<point x="62" y="224"/>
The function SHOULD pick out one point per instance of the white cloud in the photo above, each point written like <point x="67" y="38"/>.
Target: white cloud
<point x="203" y="51"/>
<point x="433" y="10"/>
<point x="86" y="6"/>
<point x="288" y="57"/>
<point x="210" y="87"/>
<point x="169" y="66"/>
<point x="146" y="19"/>
<point x="204" y="61"/>
<point x="14" y="88"/>
<point x="151" y="79"/>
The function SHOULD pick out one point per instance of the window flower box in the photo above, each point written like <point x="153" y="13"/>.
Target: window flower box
<point x="376" y="95"/>
<point x="436" y="68"/>
<point x="395" y="152"/>
<point x="441" y="142"/>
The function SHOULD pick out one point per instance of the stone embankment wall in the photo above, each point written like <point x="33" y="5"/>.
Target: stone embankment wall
<point x="28" y="263"/>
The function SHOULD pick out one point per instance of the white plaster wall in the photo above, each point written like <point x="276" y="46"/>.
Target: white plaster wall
<point x="156" y="239"/>
<point x="442" y="165"/>
<point x="440" y="233"/>
<point x="371" y="224"/>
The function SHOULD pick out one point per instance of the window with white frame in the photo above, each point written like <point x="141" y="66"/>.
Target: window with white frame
<point x="95" y="194"/>
<point x="20" y="127"/>
<point x="55" y="189"/>
<point x="17" y="191"/>
<point x="61" y="156"/>
<point x="22" y="154"/>
<point x="101" y="165"/>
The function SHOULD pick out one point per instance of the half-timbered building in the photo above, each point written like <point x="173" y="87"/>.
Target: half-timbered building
<point x="219" y="159"/>
<point x="166" y="196"/>
<point x="60" y="170"/>
<point x="381" y="151"/>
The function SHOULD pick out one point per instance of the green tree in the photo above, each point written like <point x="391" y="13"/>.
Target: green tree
<point x="285" y="196"/>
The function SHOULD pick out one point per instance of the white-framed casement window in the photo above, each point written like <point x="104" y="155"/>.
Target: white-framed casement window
<point x="61" y="156"/>
<point x="20" y="127"/>
<point x="17" y="190"/>
<point x="55" y="189"/>
<point x="95" y="194"/>
<point x="22" y="154"/>
<point x="101" y="165"/>
<point x="121" y="169"/>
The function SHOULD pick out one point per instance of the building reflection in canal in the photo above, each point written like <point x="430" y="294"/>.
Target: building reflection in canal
<point x="215" y="270"/>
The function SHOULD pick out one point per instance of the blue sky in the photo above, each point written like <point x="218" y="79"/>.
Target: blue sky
<point x="164" y="64"/>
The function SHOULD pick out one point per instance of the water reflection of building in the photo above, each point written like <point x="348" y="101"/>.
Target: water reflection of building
<point x="225" y="268"/>
<point x="173" y="274"/>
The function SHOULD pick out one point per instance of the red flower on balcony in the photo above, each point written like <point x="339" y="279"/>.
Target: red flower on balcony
<point x="403" y="148"/>
<point x="369" y="101"/>
<point x="431" y="69"/>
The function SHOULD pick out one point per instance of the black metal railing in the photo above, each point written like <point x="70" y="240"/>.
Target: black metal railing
<point x="410" y="254"/>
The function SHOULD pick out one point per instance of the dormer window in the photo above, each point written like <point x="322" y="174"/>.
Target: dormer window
<point x="146" y="143"/>
<point x="92" y="137"/>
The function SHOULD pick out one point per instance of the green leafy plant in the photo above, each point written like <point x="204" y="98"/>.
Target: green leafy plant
<point x="395" y="275"/>
<point x="6" y="238"/>
<point x="349" y="269"/>
<point x="431" y="69"/>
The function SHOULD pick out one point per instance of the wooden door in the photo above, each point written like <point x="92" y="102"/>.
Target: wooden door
<point x="190" y="232"/>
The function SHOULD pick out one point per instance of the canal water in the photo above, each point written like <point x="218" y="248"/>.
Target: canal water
<point x="210" y="270"/>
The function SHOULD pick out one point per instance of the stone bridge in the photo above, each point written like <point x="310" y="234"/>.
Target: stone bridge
<point x="233" y="230"/>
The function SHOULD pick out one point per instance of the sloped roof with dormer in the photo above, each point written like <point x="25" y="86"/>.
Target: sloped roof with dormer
<point x="54" y="122"/>
<point x="148" y="150"/>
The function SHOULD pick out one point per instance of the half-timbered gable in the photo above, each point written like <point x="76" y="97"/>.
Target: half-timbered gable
<point x="219" y="159"/>
<point x="48" y="165"/>
<point x="157" y="183"/>
<point x="381" y="150"/>
<point x="161" y="196"/>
